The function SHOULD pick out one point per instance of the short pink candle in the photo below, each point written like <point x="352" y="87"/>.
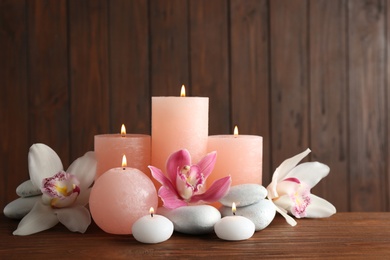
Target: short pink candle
<point x="240" y="156"/>
<point x="109" y="149"/>
<point x="119" y="198"/>
<point x="179" y="123"/>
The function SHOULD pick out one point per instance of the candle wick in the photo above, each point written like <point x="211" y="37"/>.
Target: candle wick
<point x="124" y="168"/>
<point x="234" y="213"/>
<point x="151" y="214"/>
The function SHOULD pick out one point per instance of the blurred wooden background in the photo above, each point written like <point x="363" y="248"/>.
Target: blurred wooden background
<point x="299" y="73"/>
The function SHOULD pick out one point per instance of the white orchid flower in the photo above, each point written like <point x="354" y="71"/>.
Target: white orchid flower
<point x="65" y="194"/>
<point x="291" y="185"/>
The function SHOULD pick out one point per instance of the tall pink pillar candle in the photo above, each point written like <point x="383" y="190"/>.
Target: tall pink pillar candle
<point x="179" y="123"/>
<point x="239" y="156"/>
<point x="109" y="149"/>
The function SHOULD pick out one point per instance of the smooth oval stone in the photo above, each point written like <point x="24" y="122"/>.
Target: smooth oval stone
<point x="19" y="208"/>
<point x="261" y="213"/>
<point x="244" y="195"/>
<point x="27" y="189"/>
<point x="193" y="220"/>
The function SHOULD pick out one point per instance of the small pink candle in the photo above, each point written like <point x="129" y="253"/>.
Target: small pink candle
<point x="240" y="156"/>
<point x="120" y="197"/>
<point x="179" y="123"/>
<point x="109" y="148"/>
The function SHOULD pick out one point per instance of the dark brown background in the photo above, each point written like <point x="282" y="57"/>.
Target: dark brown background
<point x="299" y="73"/>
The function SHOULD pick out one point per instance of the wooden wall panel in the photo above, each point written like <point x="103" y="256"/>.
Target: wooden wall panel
<point x="367" y="146"/>
<point x="328" y="97"/>
<point x="300" y="73"/>
<point x="129" y="66"/>
<point x="89" y="80"/>
<point x="13" y="98"/>
<point x="249" y="73"/>
<point x="169" y="66"/>
<point x="209" y="60"/>
<point x="289" y="78"/>
<point x="387" y="84"/>
<point x="47" y="67"/>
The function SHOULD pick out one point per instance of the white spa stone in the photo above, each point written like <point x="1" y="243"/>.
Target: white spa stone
<point x="193" y="220"/>
<point x="261" y="213"/>
<point x="19" y="208"/>
<point x="244" y="195"/>
<point x="27" y="189"/>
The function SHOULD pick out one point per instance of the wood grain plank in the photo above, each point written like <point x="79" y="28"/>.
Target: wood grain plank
<point x="387" y="83"/>
<point x="289" y="79"/>
<point x="209" y="57"/>
<point x="89" y="73"/>
<point x="129" y="66"/>
<point x="249" y="63"/>
<point x="48" y="75"/>
<point x="367" y="105"/>
<point x="342" y="236"/>
<point x="13" y="98"/>
<point x="328" y="97"/>
<point x="169" y="67"/>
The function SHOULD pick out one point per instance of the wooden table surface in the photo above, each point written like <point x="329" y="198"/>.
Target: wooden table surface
<point x="344" y="235"/>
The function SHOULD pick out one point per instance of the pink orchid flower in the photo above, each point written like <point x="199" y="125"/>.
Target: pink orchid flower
<point x="291" y="185"/>
<point x="186" y="183"/>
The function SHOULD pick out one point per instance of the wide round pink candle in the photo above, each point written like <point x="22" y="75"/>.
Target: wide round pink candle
<point x="109" y="149"/>
<point x="119" y="198"/>
<point x="240" y="156"/>
<point x="179" y="123"/>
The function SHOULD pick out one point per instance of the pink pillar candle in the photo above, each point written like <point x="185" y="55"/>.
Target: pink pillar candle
<point x="109" y="149"/>
<point x="179" y="123"/>
<point x="240" y="156"/>
<point x="119" y="198"/>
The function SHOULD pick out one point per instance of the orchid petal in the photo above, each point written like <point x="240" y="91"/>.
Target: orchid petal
<point x="84" y="168"/>
<point x="206" y="164"/>
<point x="40" y="218"/>
<point x="271" y="188"/>
<point x="177" y="160"/>
<point x="76" y="219"/>
<point x="319" y="208"/>
<point x="309" y="173"/>
<point x="288" y="164"/>
<point x="216" y="191"/>
<point x="284" y="202"/>
<point x="170" y="198"/>
<point x="288" y="218"/>
<point x="161" y="178"/>
<point x="43" y="162"/>
<point x="287" y="187"/>
<point x="83" y="197"/>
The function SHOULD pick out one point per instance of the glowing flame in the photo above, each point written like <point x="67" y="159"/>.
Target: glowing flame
<point x="234" y="208"/>
<point x="183" y="91"/>
<point x="123" y="130"/>
<point x="151" y="211"/>
<point x="235" y="131"/>
<point x="124" y="161"/>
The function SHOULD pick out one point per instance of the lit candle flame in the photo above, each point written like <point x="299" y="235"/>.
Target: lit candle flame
<point x="234" y="208"/>
<point x="151" y="211"/>
<point x="183" y="91"/>
<point x="124" y="162"/>
<point x="235" y="132"/>
<point x="123" y="130"/>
